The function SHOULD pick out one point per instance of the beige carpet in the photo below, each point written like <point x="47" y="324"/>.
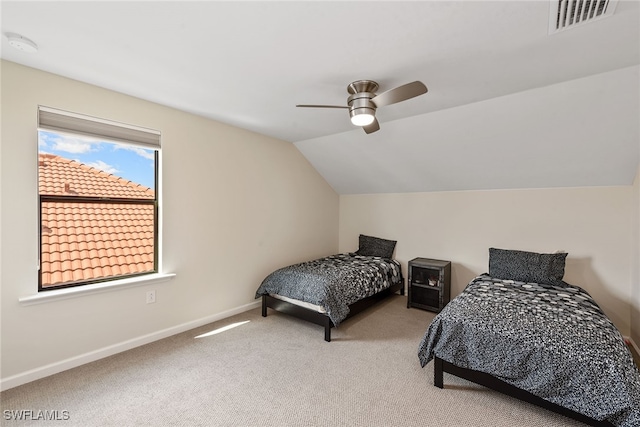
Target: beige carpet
<point x="276" y="371"/>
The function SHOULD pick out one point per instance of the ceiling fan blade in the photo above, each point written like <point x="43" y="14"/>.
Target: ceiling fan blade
<point x="375" y="126"/>
<point x="400" y="93"/>
<point x="321" y="106"/>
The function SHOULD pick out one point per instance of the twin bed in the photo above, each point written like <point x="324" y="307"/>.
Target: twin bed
<point x="329" y="290"/>
<point x="522" y="331"/>
<point x="519" y="329"/>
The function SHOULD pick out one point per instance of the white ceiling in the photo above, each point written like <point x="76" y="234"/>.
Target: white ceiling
<point x="249" y="63"/>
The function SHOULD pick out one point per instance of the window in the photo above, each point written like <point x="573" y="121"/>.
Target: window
<point x="97" y="183"/>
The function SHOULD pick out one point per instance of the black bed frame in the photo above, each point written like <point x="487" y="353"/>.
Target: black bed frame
<point x="484" y="379"/>
<point x="321" y="318"/>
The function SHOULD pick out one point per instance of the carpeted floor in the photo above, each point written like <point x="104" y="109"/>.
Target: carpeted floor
<point x="275" y="371"/>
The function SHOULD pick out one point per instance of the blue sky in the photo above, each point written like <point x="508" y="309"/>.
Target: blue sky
<point x="126" y="161"/>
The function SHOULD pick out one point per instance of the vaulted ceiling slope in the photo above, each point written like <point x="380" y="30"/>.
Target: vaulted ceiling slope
<point x="509" y="105"/>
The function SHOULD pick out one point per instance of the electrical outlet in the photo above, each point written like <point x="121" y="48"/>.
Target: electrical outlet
<point x="151" y="297"/>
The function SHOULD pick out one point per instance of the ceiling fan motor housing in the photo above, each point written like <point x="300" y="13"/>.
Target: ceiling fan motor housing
<point x="359" y="102"/>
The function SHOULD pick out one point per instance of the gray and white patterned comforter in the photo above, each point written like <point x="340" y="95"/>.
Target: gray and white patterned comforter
<point x="553" y="341"/>
<point x="333" y="282"/>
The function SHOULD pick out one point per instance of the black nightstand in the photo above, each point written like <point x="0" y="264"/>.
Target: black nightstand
<point x="429" y="284"/>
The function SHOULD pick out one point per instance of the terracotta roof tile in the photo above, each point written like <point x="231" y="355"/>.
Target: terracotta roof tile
<point x="82" y="241"/>
<point x="60" y="176"/>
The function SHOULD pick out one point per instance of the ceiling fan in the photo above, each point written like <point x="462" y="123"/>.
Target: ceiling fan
<point x="363" y="101"/>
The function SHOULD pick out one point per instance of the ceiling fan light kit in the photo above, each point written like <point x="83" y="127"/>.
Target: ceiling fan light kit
<point x="363" y="101"/>
<point x="362" y="116"/>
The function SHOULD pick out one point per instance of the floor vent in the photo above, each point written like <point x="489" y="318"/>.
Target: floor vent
<point x="565" y="14"/>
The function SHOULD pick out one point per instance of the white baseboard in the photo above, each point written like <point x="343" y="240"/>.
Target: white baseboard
<point x="73" y="362"/>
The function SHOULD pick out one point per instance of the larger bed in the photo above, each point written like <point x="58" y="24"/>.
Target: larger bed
<point x="328" y="290"/>
<point x="543" y="341"/>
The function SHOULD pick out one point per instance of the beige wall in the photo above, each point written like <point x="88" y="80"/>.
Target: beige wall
<point x="635" y="278"/>
<point x="592" y="224"/>
<point x="236" y="205"/>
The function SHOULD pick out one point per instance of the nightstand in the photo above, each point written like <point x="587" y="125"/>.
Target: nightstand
<point x="429" y="285"/>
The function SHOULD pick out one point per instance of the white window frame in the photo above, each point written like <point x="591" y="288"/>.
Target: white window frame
<point x="60" y="121"/>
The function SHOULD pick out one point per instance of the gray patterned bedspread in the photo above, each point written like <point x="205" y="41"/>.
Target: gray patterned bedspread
<point x="333" y="282"/>
<point x="553" y="341"/>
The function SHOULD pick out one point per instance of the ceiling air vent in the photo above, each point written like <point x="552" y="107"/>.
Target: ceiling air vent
<point x="565" y="14"/>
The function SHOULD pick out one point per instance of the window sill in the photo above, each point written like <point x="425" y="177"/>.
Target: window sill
<point x="61" y="294"/>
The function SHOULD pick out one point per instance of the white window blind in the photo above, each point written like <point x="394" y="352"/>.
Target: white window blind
<point x="67" y="122"/>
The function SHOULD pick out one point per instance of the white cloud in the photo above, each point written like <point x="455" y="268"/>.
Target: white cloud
<point x="99" y="164"/>
<point x="66" y="143"/>
<point x="72" y="145"/>
<point x="42" y="141"/>
<point x="144" y="153"/>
